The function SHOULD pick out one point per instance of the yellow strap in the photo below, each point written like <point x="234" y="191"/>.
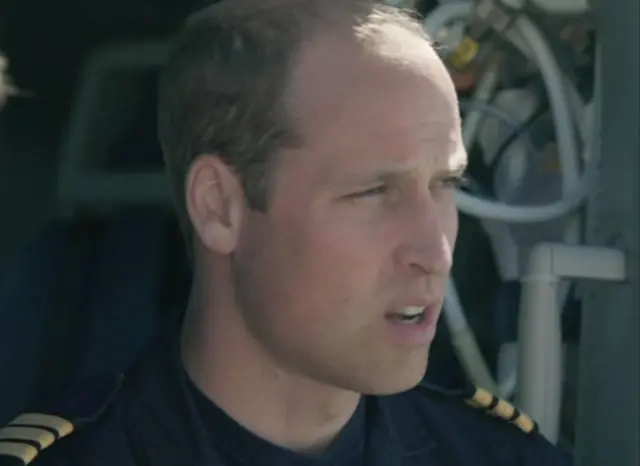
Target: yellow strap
<point x="22" y="451"/>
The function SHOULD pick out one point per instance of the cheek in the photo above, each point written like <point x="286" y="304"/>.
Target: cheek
<point x="338" y="249"/>
<point x="312" y="284"/>
<point x="339" y="260"/>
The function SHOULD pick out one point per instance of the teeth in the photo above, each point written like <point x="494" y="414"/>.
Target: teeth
<point x="411" y="311"/>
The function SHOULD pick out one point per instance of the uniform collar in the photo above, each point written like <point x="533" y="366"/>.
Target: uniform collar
<point x="162" y="408"/>
<point x="397" y="435"/>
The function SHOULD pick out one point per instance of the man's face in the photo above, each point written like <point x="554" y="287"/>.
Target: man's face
<point x="362" y="222"/>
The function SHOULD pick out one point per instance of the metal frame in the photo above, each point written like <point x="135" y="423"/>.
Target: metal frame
<point x="608" y="417"/>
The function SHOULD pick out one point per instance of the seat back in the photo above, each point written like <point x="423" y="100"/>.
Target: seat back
<point x="125" y="294"/>
<point x="39" y="282"/>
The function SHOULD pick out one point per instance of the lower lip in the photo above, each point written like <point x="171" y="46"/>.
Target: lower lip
<point x="419" y="333"/>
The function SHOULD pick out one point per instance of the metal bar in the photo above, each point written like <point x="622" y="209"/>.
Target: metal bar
<point x="608" y="412"/>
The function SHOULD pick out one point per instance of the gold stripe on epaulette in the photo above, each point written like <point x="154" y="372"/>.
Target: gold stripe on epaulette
<point x="525" y="423"/>
<point x="22" y="451"/>
<point x="59" y="425"/>
<point x="502" y="409"/>
<point x="481" y="399"/>
<point x="505" y="410"/>
<point x="43" y="438"/>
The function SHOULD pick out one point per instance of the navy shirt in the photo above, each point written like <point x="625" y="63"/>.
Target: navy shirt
<point x="152" y="416"/>
<point x="239" y="447"/>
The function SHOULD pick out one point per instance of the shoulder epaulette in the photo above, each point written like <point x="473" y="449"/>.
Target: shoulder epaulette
<point x="28" y="434"/>
<point x="482" y="399"/>
<point x="24" y="438"/>
<point x="497" y="407"/>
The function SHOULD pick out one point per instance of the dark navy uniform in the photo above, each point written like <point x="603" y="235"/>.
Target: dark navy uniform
<point x="153" y="416"/>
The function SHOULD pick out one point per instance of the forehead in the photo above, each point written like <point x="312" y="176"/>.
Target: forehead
<point x="360" y="106"/>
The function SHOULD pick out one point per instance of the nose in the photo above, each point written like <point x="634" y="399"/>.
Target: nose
<point x="429" y="234"/>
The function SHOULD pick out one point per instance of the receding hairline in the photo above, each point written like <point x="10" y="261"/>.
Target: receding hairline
<point x="371" y="24"/>
<point x="199" y="63"/>
<point x="387" y="36"/>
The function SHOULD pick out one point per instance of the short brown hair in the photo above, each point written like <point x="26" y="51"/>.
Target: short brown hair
<point x="221" y="91"/>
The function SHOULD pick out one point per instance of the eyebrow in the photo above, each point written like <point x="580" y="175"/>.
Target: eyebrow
<point x="385" y="175"/>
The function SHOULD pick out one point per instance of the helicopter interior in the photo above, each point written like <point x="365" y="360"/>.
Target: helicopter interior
<point x="93" y="259"/>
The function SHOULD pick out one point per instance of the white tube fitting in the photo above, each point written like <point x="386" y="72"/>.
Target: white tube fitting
<point x="540" y="337"/>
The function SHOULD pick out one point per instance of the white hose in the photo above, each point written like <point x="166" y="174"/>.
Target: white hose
<point x="574" y="187"/>
<point x="558" y="100"/>
<point x="564" y="101"/>
<point x="484" y="92"/>
<point x="493" y="210"/>
<point x="465" y="343"/>
<point x="526" y="37"/>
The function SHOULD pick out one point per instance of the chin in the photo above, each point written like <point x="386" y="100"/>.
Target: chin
<point x="401" y="378"/>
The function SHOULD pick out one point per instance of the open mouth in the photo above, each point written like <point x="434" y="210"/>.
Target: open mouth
<point x="408" y="315"/>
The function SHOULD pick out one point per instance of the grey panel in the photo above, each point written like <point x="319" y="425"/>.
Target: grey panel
<point x="608" y="416"/>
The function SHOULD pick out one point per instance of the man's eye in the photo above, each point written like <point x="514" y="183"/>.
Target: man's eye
<point x="452" y="182"/>
<point x="375" y="191"/>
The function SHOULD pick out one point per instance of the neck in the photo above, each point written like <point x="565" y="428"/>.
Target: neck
<point x="234" y="371"/>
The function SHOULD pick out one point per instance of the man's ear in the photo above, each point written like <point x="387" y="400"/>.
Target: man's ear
<point x="215" y="202"/>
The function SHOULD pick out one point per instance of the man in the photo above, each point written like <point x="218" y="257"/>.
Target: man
<point x="313" y="147"/>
